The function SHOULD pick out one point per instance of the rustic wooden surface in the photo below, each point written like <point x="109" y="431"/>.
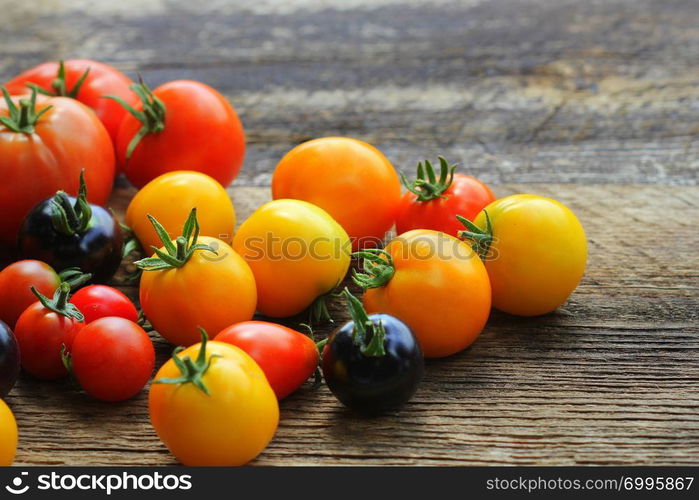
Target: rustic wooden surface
<point x="593" y="103"/>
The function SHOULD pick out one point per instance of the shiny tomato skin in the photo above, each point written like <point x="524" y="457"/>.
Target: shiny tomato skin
<point x="112" y="358"/>
<point x="100" y="301"/>
<point x="287" y="357"/>
<point x="202" y="133"/>
<point x="348" y="178"/>
<point x="466" y="196"/>
<point x="101" y="80"/>
<point x="15" y="283"/>
<point x="9" y="359"/>
<point x="41" y="334"/>
<point x="8" y="435"/>
<point x="67" y="139"/>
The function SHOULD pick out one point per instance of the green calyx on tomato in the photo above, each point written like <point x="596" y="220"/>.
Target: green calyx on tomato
<point x="378" y="268"/>
<point x="480" y="238"/>
<point x="152" y="117"/>
<point x="192" y="370"/>
<point x="74" y="277"/>
<point x="426" y="186"/>
<point x="363" y="326"/>
<point x="59" y="86"/>
<point x="59" y="303"/>
<point x="71" y="219"/>
<point x="22" y="119"/>
<point x="176" y="254"/>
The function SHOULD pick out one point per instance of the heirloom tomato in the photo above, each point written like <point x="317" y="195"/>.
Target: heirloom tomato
<point x="15" y="283"/>
<point x="9" y="359"/>
<point x="194" y="282"/>
<point x="297" y="252"/>
<point x="434" y="203"/>
<point x="534" y="249"/>
<point x="181" y="125"/>
<point x="44" y="145"/>
<point x="169" y="199"/>
<point x="350" y="179"/>
<point x="212" y="405"/>
<point x="432" y="282"/>
<point x="82" y="79"/>
<point x="8" y="435"/>
<point x="101" y="301"/>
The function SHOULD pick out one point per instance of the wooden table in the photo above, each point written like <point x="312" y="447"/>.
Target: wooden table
<point x="594" y="104"/>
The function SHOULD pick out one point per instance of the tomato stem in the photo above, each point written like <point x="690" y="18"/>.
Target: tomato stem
<point x="426" y="186"/>
<point x="71" y="219"/>
<point x="363" y="326"/>
<point x="24" y="118"/>
<point x="378" y="268"/>
<point x="481" y="239"/>
<point x="192" y="371"/>
<point x="74" y="277"/>
<point x="59" y="303"/>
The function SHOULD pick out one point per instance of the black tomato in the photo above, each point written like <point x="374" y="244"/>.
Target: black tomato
<point x="9" y="359"/>
<point x="374" y="363"/>
<point x="65" y="232"/>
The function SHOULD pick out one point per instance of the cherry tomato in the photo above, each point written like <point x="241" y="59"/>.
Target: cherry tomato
<point x="534" y="250"/>
<point x="170" y="197"/>
<point x="434" y="283"/>
<point x="112" y="358"/>
<point x="101" y="301"/>
<point x="195" y="282"/>
<point x="211" y="405"/>
<point x="9" y="359"/>
<point x="15" y="282"/>
<point x="297" y="253"/>
<point x="181" y="125"/>
<point x="372" y="363"/>
<point x="44" y="145"/>
<point x="287" y="357"/>
<point x="434" y="203"/>
<point x="42" y="331"/>
<point x="82" y="79"/>
<point x="350" y="179"/>
<point x="8" y="435"/>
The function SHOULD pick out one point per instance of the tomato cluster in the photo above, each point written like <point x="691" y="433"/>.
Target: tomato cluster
<point x="427" y="291"/>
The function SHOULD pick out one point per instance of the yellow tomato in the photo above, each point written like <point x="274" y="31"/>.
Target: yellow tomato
<point x="297" y="253"/>
<point x="537" y="254"/>
<point x="170" y="197"/>
<point x="8" y="435"/>
<point x="231" y="424"/>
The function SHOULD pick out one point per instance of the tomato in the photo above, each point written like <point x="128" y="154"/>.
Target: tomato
<point x="297" y="253"/>
<point x="44" y="145"/>
<point x="8" y="435"/>
<point x="212" y="405"/>
<point x="42" y="331"/>
<point x="101" y="301"/>
<point x="170" y="197"/>
<point x="350" y="179"/>
<point x="195" y="282"/>
<point x="434" y="203"/>
<point x="112" y="358"/>
<point x="287" y="357"/>
<point x="181" y="125"/>
<point x="434" y="283"/>
<point x="69" y="232"/>
<point x="534" y="249"/>
<point x="15" y="282"/>
<point x="372" y="363"/>
<point x="82" y="79"/>
<point x="9" y="359"/>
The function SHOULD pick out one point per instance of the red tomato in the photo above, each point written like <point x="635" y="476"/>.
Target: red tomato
<point x="435" y="203"/>
<point x="112" y="358"/>
<point x="189" y="126"/>
<point x="100" y="301"/>
<point x="43" y="329"/>
<point x="63" y="79"/>
<point x="287" y="357"/>
<point x="44" y="144"/>
<point x="15" y="282"/>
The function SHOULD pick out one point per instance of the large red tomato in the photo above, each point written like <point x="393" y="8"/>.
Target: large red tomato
<point x="82" y="79"/>
<point x="44" y="144"/>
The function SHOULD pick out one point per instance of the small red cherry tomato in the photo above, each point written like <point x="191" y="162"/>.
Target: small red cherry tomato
<point x="112" y="358"/>
<point x="288" y="358"/>
<point x="15" y="282"/>
<point x="100" y="301"/>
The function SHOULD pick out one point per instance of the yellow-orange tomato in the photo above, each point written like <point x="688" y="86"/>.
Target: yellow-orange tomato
<point x="231" y="424"/>
<point x="171" y="197"/>
<point x="297" y="253"/>
<point x="350" y="179"/>
<point x="8" y="435"/>
<point x="537" y="254"/>
<point x="438" y="287"/>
